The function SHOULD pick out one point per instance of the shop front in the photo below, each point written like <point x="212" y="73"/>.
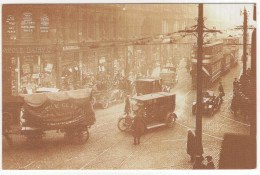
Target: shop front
<point x="27" y="68"/>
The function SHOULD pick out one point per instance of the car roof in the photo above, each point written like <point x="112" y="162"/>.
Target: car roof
<point x="152" y="96"/>
<point x="47" y="90"/>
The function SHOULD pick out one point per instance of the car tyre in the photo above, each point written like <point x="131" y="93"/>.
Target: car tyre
<point x="123" y="125"/>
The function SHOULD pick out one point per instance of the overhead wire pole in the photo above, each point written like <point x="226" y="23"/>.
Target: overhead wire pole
<point x="245" y="42"/>
<point x="198" y="131"/>
<point x="200" y="29"/>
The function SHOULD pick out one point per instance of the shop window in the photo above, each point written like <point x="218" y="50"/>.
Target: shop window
<point x="11" y="27"/>
<point x="27" y="25"/>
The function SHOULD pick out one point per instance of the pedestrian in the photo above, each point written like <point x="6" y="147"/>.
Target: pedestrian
<point x="221" y="91"/>
<point x="235" y="85"/>
<point x="235" y="104"/>
<point x="198" y="163"/>
<point x="191" y="145"/>
<point x="127" y="105"/>
<point x="138" y="127"/>
<point x="210" y="164"/>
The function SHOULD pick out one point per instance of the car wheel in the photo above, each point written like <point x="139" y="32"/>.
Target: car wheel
<point x="170" y="120"/>
<point x="123" y="125"/>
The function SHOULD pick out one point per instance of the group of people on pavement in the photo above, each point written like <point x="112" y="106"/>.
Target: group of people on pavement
<point x="241" y="90"/>
<point x="196" y="152"/>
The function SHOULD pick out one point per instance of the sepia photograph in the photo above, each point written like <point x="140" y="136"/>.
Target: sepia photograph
<point x="129" y="86"/>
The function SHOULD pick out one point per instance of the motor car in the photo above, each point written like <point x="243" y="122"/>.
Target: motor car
<point x="148" y="85"/>
<point x="156" y="109"/>
<point x="210" y="103"/>
<point x="169" y="77"/>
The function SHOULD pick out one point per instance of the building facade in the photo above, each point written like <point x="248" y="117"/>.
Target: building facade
<point x="60" y="45"/>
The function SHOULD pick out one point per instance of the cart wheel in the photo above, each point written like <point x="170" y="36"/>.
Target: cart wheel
<point x="170" y="120"/>
<point x="34" y="138"/>
<point x="81" y="137"/>
<point x="123" y="125"/>
<point x="7" y="119"/>
<point x="105" y="103"/>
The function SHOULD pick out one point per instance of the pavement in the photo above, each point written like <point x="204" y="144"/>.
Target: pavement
<point x="108" y="148"/>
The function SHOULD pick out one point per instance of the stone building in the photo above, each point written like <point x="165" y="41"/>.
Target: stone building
<point x="52" y="45"/>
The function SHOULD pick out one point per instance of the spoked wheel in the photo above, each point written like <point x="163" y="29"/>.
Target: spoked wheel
<point x="81" y="137"/>
<point x="7" y="119"/>
<point x="34" y="138"/>
<point x="170" y="119"/>
<point x="123" y="125"/>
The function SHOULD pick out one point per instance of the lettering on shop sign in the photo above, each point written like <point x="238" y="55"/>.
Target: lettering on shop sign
<point x="28" y="50"/>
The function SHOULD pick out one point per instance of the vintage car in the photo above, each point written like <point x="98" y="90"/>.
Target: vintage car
<point x="169" y="76"/>
<point x="148" y="85"/>
<point x="69" y="112"/>
<point x="156" y="109"/>
<point x="210" y="103"/>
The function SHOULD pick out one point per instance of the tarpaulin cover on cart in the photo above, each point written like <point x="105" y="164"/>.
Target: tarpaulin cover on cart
<point x="59" y="108"/>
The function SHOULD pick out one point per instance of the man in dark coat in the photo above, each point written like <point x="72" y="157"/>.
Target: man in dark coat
<point x="191" y="145"/>
<point x="210" y="164"/>
<point x="138" y="127"/>
<point x="127" y="105"/>
<point x="221" y="91"/>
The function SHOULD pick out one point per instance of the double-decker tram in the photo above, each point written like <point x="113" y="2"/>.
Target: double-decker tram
<point x="219" y="57"/>
<point x="212" y="62"/>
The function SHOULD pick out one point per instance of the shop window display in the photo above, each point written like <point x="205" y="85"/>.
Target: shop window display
<point x="37" y="72"/>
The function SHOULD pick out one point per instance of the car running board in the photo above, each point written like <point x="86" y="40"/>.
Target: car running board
<point x="156" y="125"/>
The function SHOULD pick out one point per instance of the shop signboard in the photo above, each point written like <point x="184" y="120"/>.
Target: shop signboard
<point x="28" y="49"/>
